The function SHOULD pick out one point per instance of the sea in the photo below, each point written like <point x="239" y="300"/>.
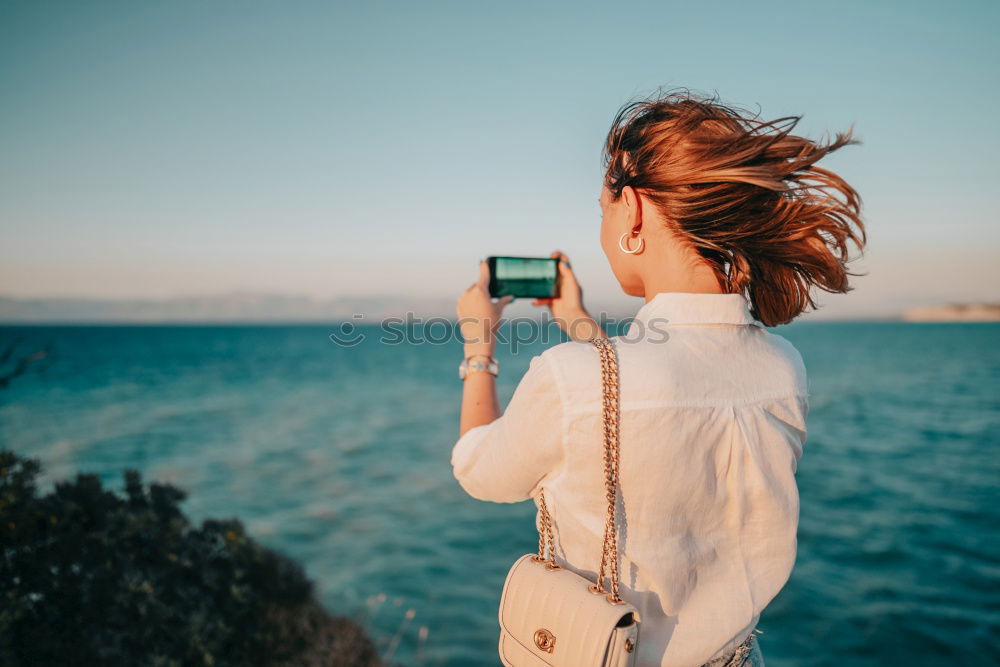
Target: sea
<point x="332" y="444"/>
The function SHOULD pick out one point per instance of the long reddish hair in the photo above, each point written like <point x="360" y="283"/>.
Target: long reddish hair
<point x="745" y="193"/>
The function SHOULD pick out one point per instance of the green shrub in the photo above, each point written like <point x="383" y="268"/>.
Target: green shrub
<point x="88" y="577"/>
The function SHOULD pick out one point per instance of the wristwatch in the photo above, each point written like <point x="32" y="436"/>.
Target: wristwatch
<point x="491" y="366"/>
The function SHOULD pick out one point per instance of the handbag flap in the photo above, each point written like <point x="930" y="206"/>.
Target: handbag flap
<point x="542" y="608"/>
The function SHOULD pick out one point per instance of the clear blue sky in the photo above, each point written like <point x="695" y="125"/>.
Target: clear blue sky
<point x="181" y="148"/>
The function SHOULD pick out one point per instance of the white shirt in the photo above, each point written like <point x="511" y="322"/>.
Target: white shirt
<point x="713" y="410"/>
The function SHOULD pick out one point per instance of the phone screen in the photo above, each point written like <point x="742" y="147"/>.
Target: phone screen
<point x="528" y="277"/>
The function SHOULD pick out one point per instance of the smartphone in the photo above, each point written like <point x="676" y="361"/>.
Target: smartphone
<point x="524" y="277"/>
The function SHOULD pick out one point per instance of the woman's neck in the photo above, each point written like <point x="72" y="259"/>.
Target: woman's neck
<point x="698" y="278"/>
<point x="671" y="264"/>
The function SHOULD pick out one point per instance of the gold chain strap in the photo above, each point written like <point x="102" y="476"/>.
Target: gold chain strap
<point x="609" y="376"/>
<point x="609" y="551"/>
<point x="545" y="534"/>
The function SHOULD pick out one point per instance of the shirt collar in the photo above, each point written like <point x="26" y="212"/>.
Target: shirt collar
<point x="675" y="308"/>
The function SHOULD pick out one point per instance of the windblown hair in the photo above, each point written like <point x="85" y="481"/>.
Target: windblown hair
<point x="745" y="193"/>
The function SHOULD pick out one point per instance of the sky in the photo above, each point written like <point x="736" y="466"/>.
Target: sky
<point x="154" y="150"/>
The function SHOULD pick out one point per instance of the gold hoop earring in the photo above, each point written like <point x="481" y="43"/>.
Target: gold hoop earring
<point x="624" y="248"/>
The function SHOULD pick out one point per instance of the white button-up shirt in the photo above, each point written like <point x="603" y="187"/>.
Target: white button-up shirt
<point x="713" y="410"/>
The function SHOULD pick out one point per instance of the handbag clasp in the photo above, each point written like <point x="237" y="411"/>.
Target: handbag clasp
<point x="545" y="640"/>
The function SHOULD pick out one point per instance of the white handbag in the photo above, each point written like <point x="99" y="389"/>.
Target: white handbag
<point x="552" y="616"/>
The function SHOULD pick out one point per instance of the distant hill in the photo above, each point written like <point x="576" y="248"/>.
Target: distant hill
<point x="237" y="307"/>
<point x="959" y="312"/>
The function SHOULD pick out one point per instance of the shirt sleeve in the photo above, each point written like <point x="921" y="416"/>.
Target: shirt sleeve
<point x="506" y="460"/>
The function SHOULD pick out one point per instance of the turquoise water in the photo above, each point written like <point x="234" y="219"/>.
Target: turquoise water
<point x="339" y="457"/>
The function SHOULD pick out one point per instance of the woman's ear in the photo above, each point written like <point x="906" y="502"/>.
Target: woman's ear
<point x="633" y="210"/>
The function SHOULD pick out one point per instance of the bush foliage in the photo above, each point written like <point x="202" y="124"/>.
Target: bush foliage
<point x="91" y="577"/>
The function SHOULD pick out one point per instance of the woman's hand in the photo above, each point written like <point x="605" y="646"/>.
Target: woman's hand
<point x="479" y="316"/>
<point x="568" y="309"/>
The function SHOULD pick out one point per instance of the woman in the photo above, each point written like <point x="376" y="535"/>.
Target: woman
<point x="724" y="225"/>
